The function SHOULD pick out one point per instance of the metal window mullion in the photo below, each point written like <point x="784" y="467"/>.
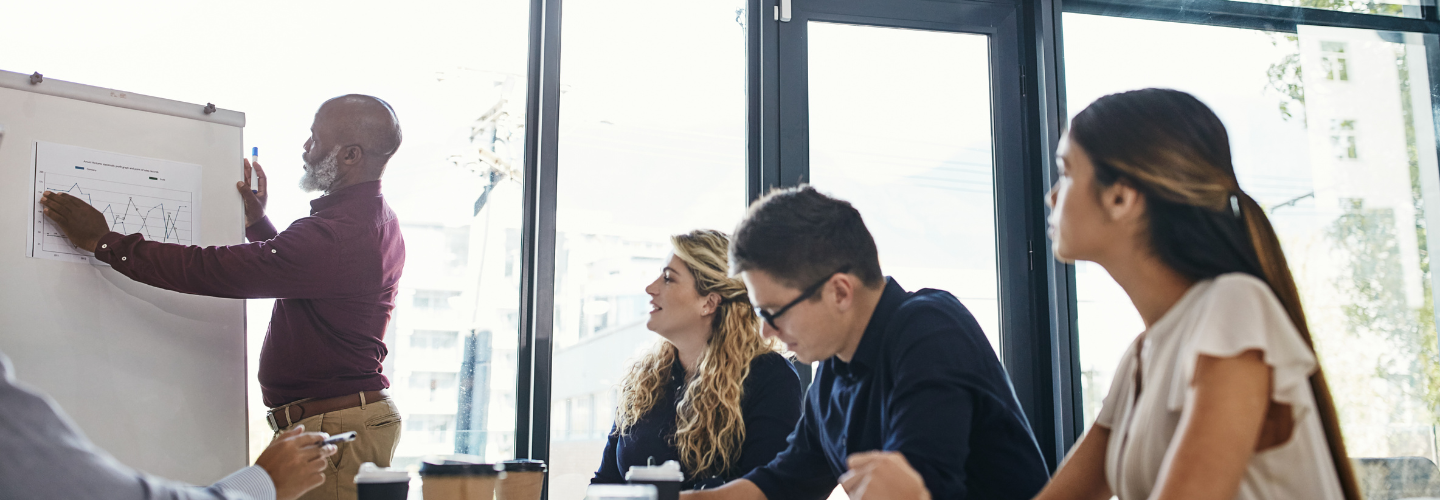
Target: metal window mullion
<point x="524" y="346"/>
<point x="1055" y="290"/>
<point x="762" y="160"/>
<point x="545" y="235"/>
<point x="1065" y="304"/>
<point x="1025" y="345"/>
<point x="537" y="302"/>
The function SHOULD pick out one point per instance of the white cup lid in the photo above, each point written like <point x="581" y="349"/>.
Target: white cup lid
<point x="620" y="492"/>
<point x="668" y="471"/>
<point x="369" y="473"/>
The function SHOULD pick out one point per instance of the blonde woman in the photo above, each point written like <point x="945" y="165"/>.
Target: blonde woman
<point x="713" y="394"/>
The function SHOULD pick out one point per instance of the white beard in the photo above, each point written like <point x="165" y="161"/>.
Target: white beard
<point x="321" y="177"/>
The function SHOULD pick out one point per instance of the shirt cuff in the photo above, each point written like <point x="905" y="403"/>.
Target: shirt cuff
<point x="261" y="230"/>
<point x="251" y="481"/>
<point x="105" y="248"/>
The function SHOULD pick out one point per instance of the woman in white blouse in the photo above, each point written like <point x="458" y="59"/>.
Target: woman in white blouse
<point x="1221" y="397"/>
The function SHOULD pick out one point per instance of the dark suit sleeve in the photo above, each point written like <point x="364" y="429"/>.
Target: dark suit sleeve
<point x="772" y="407"/>
<point x="609" y="471"/>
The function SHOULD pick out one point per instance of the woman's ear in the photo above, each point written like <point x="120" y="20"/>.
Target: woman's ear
<point x="1122" y="202"/>
<point x="712" y="303"/>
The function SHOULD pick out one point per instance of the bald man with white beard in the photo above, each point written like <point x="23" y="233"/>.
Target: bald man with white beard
<point x="336" y="274"/>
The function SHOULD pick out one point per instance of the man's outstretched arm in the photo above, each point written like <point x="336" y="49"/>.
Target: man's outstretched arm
<point x="299" y="263"/>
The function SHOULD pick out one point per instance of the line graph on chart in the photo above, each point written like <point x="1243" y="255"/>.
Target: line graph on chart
<point x="155" y="198"/>
<point x="162" y="215"/>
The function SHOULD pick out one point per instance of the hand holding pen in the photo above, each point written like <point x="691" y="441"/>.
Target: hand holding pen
<point x="253" y="194"/>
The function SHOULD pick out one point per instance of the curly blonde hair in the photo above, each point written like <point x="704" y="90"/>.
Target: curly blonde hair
<point x="709" y="427"/>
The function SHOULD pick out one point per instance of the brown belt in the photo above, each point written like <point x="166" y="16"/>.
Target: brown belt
<point x="287" y="415"/>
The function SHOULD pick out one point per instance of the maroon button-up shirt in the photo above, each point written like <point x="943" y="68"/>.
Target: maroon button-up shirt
<point x="335" y="273"/>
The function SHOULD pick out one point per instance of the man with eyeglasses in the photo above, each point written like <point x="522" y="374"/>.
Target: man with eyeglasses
<point x="909" y="373"/>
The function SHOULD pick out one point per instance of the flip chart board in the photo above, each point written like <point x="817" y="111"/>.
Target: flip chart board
<point x="154" y="377"/>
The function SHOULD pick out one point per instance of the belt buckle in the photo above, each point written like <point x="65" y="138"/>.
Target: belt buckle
<point x="270" y="418"/>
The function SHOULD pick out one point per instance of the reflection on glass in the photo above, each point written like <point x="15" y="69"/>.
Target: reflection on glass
<point x="900" y="127"/>
<point x="1332" y="133"/>
<point x="454" y="73"/>
<point x="651" y="144"/>
<point x="1399" y="8"/>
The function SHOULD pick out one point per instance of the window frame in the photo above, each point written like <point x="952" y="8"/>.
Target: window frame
<point x="779" y="139"/>
<point x="1040" y="338"/>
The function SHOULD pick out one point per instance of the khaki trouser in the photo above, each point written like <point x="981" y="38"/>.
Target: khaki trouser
<point x="377" y="429"/>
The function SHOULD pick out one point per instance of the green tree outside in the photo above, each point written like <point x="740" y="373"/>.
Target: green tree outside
<point x="1367" y="238"/>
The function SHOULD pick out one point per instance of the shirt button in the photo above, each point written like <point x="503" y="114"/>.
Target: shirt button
<point x="272" y="250"/>
<point x="107" y="245"/>
<point x="124" y="258"/>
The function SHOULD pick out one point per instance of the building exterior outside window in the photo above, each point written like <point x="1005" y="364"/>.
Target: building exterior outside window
<point x="1332" y="61"/>
<point x="650" y="145"/>
<point x="1299" y="110"/>
<point x="434" y="339"/>
<point x="1342" y="139"/>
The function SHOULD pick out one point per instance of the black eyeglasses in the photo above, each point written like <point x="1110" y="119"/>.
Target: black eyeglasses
<point x="770" y="318"/>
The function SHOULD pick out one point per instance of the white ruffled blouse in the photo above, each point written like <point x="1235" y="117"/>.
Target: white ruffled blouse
<point x="1222" y="317"/>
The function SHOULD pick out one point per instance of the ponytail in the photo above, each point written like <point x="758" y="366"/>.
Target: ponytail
<point x="1276" y="273"/>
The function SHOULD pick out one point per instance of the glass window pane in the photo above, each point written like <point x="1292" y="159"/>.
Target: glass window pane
<point x="900" y="127"/>
<point x="1331" y="132"/>
<point x="652" y="139"/>
<point x="1398" y="8"/>
<point x="455" y="74"/>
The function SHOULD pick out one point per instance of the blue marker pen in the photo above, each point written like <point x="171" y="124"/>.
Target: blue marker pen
<point x="255" y="158"/>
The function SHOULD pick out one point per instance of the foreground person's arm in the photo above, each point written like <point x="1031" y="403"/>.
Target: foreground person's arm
<point x="882" y="475"/>
<point x="1082" y="474"/>
<point x="46" y="457"/>
<point x="887" y="476"/>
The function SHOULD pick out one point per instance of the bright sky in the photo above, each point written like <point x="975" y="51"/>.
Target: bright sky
<point x="278" y="61"/>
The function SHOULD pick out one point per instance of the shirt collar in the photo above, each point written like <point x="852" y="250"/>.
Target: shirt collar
<point x="677" y="370"/>
<point x="356" y="191"/>
<point x="868" y="352"/>
<point x="677" y="377"/>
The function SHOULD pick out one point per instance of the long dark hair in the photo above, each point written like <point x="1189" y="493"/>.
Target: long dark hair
<point x="1174" y="150"/>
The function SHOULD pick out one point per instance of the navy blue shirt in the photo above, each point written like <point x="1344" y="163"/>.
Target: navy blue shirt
<point x="769" y="405"/>
<point x="924" y="381"/>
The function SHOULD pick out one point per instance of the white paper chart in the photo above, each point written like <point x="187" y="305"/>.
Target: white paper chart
<point x="156" y="198"/>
